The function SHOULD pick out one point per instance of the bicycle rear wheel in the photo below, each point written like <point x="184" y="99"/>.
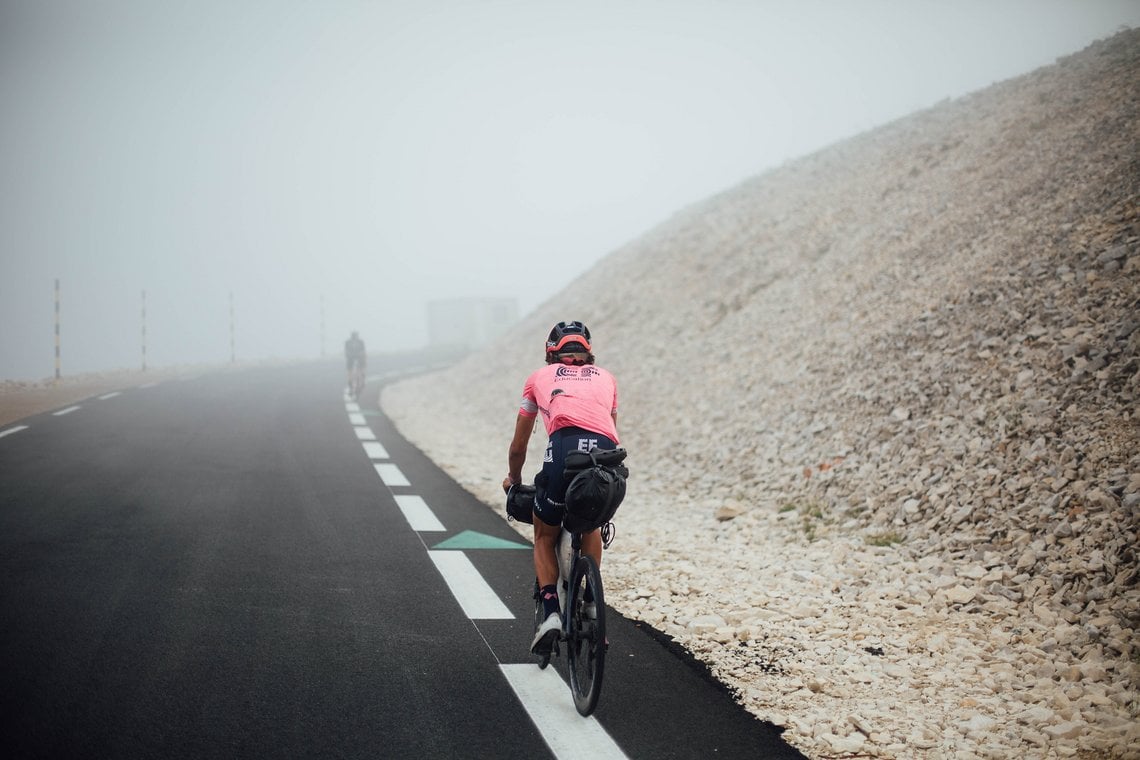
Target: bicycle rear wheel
<point x="586" y="645"/>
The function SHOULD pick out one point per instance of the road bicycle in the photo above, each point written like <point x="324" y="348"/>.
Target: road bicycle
<point x="583" y="606"/>
<point x="356" y="383"/>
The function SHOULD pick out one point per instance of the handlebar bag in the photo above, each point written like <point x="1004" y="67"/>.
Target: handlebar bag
<point x="520" y="503"/>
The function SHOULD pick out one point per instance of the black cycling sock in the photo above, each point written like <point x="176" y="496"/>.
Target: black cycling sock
<point x="549" y="596"/>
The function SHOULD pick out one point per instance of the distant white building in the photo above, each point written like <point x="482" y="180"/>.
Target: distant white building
<point x="466" y="323"/>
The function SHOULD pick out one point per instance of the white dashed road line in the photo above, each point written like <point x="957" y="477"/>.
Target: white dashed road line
<point x="375" y="450"/>
<point x="541" y="692"/>
<point x="472" y="592"/>
<point x="390" y="474"/>
<point x="112" y="394"/>
<point x="418" y="514"/>
<point x="569" y="735"/>
<point x="474" y="595"/>
<point x="11" y="430"/>
<point x="62" y="412"/>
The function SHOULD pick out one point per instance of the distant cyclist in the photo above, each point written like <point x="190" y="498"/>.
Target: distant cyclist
<point x="356" y="358"/>
<point x="578" y="403"/>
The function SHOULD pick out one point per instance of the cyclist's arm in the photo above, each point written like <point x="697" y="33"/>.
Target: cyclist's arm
<point x="516" y="455"/>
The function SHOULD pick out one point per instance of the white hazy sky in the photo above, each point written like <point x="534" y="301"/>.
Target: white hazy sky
<point x="358" y="159"/>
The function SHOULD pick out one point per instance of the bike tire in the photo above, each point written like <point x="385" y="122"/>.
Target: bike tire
<point x="586" y="640"/>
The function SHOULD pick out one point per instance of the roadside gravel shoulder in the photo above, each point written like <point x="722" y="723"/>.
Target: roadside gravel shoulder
<point x="881" y="408"/>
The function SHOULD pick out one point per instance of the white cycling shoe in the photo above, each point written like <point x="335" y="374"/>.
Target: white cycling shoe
<point x="546" y="634"/>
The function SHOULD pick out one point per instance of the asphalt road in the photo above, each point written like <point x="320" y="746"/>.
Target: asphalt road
<point x="236" y="565"/>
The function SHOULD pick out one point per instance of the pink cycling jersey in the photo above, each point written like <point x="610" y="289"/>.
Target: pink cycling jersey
<point x="570" y="395"/>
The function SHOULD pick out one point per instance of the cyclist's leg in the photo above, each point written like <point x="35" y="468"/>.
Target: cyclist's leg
<point x="545" y="555"/>
<point x="549" y="511"/>
<point x="546" y="572"/>
<point x="592" y="545"/>
<point x="548" y="516"/>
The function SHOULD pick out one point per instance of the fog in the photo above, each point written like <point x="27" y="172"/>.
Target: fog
<point x="322" y="167"/>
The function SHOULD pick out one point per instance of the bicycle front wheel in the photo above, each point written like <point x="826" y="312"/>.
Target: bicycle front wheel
<point x="586" y="645"/>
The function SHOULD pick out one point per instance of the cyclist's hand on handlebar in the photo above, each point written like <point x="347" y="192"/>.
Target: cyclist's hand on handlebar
<point x="507" y="483"/>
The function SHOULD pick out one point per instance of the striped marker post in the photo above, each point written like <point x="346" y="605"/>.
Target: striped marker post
<point x="144" y="330"/>
<point x="233" y="351"/>
<point x="57" y="362"/>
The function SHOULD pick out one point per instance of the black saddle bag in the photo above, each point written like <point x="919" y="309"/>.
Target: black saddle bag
<point x="596" y="488"/>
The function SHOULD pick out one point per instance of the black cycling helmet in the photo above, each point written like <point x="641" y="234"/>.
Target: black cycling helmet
<point x="568" y="338"/>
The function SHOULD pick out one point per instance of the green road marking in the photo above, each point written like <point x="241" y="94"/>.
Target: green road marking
<point x="469" y="539"/>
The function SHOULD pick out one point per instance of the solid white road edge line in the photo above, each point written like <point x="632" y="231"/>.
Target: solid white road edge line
<point x="476" y="598"/>
<point x="11" y="430"/>
<point x="418" y="513"/>
<point x="546" y="699"/>
<point x="390" y="474"/>
<point x="68" y="410"/>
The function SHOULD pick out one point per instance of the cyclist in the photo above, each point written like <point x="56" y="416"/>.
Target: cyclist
<point x="355" y="357"/>
<point x="578" y="403"/>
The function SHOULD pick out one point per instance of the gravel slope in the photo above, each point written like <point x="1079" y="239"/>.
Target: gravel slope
<point x="881" y="408"/>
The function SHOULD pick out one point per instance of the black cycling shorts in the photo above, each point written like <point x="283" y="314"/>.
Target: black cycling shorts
<point x="550" y="504"/>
